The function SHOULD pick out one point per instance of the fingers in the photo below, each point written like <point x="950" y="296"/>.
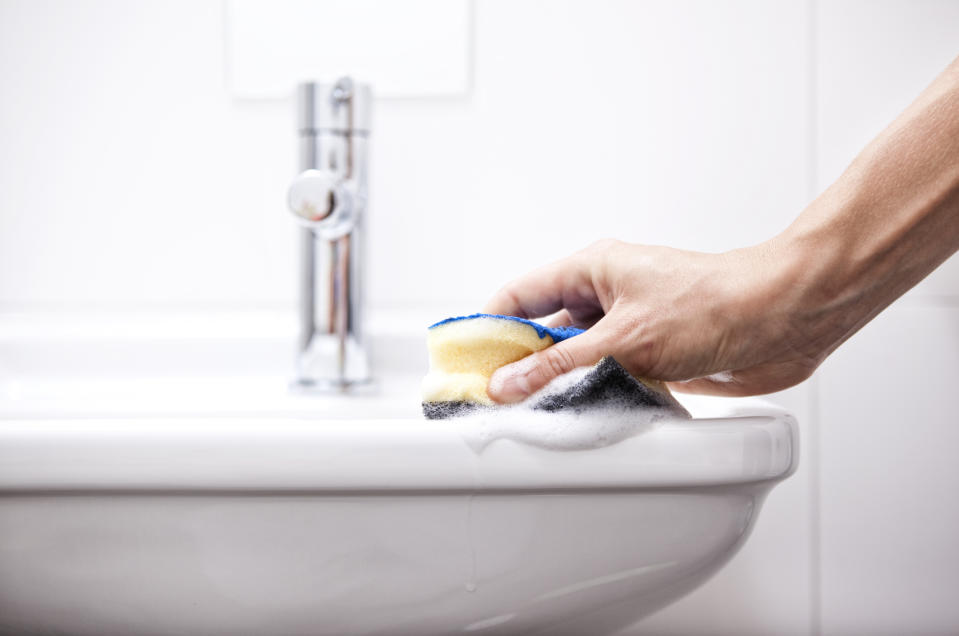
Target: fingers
<point x="560" y="319"/>
<point x="585" y="318"/>
<point x="757" y="380"/>
<point x="710" y="386"/>
<point x="517" y="381"/>
<point x="545" y="290"/>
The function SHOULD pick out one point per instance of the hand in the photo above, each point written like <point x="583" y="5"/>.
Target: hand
<point x="710" y="323"/>
<point x="758" y="319"/>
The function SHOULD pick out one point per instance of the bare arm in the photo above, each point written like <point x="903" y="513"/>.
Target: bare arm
<point x="762" y="318"/>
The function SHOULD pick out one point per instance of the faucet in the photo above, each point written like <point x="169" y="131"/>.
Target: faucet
<point x="328" y="199"/>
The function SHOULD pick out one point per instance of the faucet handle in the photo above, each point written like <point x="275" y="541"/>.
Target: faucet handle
<point x="321" y="201"/>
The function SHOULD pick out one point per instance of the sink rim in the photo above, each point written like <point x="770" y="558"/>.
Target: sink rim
<point x="756" y="443"/>
<point x="116" y="425"/>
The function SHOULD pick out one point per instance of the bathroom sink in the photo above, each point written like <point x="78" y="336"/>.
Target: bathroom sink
<point x="159" y="477"/>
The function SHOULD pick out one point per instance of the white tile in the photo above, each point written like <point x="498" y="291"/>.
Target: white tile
<point x="767" y="587"/>
<point x="406" y="48"/>
<point x="680" y="123"/>
<point x="126" y="173"/>
<point x="890" y="479"/>
<point x="874" y="58"/>
<point x="129" y="175"/>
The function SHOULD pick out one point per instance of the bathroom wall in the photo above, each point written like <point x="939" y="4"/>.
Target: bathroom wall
<point x="135" y="174"/>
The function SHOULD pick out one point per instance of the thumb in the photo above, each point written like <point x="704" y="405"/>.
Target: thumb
<point x="517" y="381"/>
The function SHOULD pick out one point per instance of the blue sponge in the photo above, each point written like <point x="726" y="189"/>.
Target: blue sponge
<point x="558" y="334"/>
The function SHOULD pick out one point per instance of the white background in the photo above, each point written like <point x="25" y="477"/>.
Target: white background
<point x="135" y="175"/>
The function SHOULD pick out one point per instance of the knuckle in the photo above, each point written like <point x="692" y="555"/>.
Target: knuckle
<point x="558" y="360"/>
<point x="505" y="298"/>
<point x="640" y="350"/>
<point x="604" y="245"/>
<point x="509" y="292"/>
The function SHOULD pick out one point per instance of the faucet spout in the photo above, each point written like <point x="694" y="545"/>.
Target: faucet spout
<point x="328" y="199"/>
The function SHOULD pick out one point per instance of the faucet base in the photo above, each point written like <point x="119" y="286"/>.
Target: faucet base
<point x="332" y="365"/>
<point x="333" y="387"/>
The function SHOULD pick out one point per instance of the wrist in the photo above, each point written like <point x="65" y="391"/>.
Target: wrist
<point x="830" y="265"/>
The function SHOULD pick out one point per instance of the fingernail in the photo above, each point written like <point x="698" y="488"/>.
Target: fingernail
<point x="510" y="383"/>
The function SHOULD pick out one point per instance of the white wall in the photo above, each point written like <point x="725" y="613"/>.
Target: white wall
<point x="889" y="481"/>
<point x="130" y="175"/>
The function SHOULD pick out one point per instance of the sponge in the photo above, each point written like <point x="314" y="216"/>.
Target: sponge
<point x="606" y="385"/>
<point x="465" y="351"/>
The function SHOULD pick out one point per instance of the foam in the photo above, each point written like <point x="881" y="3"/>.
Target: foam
<point x="723" y="377"/>
<point x="561" y="430"/>
<point x="589" y="407"/>
<point x="556" y="431"/>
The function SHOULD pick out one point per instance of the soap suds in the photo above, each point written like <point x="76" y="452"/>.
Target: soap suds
<point x="573" y="429"/>
<point x="725" y="377"/>
<point x="562" y="431"/>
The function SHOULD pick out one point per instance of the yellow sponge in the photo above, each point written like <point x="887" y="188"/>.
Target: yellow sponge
<point x="464" y="353"/>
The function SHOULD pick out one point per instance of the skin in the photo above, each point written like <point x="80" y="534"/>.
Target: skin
<point x="762" y="318"/>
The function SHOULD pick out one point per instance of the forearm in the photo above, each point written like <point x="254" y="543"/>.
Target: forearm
<point x="891" y="219"/>
<point x="762" y="318"/>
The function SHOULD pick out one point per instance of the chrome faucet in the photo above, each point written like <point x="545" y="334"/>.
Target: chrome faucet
<point x="328" y="198"/>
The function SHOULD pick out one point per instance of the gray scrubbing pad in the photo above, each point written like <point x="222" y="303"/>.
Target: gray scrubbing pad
<point x="606" y="386"/>
<point x="446" y="410"/>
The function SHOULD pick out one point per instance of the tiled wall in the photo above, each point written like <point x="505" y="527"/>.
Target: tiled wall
<point x="129" y="175"/>
<point x="889" y="479"/>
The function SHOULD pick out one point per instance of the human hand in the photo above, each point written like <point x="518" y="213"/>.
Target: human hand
<point x="758" y="319"/>
<point x="708" y="323"/>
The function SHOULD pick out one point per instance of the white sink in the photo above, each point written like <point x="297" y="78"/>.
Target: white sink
<point x="157" y="477"/>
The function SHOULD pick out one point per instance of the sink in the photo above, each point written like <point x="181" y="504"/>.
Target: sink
<point x="158" y="476"/>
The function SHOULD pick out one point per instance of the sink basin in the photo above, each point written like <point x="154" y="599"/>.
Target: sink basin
<point x="159" y="477"/>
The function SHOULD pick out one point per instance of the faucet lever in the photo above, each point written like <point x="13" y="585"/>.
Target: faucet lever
<point x="322" y="202"/>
